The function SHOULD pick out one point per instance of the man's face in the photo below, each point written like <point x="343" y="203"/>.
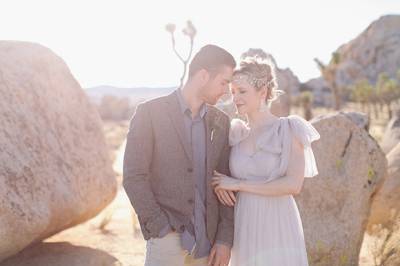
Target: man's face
<point x="217" y="85"/>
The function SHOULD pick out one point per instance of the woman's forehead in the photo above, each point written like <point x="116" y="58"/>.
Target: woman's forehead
<point x="240" y="84"/>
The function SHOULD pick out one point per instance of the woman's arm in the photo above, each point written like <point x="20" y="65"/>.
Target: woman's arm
<point x="290" y="184"/>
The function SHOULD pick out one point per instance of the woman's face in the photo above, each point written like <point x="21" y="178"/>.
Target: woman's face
<point x="246" y="98"/>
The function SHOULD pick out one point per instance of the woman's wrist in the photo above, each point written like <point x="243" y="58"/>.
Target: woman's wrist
<point x="240" y="184"/>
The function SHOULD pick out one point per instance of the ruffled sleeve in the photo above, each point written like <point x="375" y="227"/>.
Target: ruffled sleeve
<point x="238" y="131"/>
<point x="306" y="134"/>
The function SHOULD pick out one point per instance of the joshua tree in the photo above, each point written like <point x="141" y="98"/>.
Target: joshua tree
<point x="363" y="93"/>
<point x="328" y="72"/>
<point x="388" y="91"/>
<point x="189" y="31"/>
<point x="306" y="99"/>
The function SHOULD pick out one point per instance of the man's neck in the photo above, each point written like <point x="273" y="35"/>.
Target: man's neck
<point x="191" y="98"/>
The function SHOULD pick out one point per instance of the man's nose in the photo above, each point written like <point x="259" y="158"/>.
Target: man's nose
<point x="234" y="97"/>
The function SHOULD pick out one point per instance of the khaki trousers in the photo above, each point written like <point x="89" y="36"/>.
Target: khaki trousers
<point x="168" y="251"/>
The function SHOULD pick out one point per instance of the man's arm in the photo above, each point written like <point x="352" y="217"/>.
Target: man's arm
<point x="136" y="171"/>
<point x="221" y="251"/>
<point x="225" y="229"/>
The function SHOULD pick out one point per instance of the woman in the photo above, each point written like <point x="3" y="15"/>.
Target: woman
<point x="269" y="159"/>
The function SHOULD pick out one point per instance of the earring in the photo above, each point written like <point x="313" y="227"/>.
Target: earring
<point x="263" y="106"/>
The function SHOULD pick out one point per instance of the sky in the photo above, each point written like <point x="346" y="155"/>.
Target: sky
<point x="124" y="43"/>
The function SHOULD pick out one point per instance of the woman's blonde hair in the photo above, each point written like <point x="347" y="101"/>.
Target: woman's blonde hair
<point x="258" y="69"/>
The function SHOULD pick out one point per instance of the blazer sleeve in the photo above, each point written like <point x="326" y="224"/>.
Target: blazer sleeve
<point x="225" y="230"/>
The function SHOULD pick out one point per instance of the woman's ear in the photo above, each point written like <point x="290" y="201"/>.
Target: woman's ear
<point x="264" y="94"/>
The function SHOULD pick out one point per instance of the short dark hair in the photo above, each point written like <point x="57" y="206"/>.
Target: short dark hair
<point x="210" y="58"/>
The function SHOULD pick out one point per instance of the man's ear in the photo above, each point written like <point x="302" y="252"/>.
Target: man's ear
<point x="204" y="76"/>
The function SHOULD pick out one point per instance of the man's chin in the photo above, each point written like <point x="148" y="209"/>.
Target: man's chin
<point x="212" y="101"/>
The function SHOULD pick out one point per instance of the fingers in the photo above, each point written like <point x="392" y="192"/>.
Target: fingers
<point x="227" y="198"/>
<point x="218" y="261"/>
<point x="222" y="194"/>
<point x="220" y="197"/>
<point x="216" y="173"/>
<point x="232" y="196"/>
<point x="211" y="256"/>
<point x="215" y="182"/>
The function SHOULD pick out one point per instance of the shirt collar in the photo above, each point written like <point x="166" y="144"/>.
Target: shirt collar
<point x="185" y="108"/>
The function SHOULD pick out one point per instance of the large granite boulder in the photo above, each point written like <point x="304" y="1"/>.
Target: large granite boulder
<point x="386" y="202"/>
<point x="335" y="204"/>
<point x="54" y="167"/>
<point x="382" y="239"/>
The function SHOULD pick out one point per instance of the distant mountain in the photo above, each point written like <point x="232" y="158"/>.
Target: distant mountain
<point x="375" y="50"/>
<point x="134" y="94"/>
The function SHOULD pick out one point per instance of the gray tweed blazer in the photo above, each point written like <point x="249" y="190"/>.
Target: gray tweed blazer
<point x="158" y="169"/>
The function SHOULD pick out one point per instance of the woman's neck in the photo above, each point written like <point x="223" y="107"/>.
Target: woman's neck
<point x="257" y="119"/>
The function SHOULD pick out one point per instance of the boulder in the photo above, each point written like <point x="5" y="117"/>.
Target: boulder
<point x="55" y="170"/>
<point x="381" y="244"/>
<point x="335" y="204"/>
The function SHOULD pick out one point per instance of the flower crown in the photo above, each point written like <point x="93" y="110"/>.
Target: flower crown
<point x="253" y="81"/>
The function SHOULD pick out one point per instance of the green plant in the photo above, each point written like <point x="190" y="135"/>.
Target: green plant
<point x="388" y="91"/>
<point x="329" y="72"/>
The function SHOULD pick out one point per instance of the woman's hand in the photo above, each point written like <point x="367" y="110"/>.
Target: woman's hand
<point x="226" y="197"/>
<point x="220" y="181"/>
<point x="224" y="193"/>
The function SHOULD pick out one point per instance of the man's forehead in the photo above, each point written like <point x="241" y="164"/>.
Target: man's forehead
<point x="227" y="74"/>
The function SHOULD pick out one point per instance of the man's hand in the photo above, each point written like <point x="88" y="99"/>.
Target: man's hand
<point x="220" y="255"/>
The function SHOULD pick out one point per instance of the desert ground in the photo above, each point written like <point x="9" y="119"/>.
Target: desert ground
<point x="113" y="237"/>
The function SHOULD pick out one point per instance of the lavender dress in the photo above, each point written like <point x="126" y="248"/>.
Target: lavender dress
<point x="268" y="229"/>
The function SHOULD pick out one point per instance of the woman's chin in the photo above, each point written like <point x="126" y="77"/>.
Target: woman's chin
<point x="242" y="112"/>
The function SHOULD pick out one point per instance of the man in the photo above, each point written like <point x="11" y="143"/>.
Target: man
<point x="173" y="146"/>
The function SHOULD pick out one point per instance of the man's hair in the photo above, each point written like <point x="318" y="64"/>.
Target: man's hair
<point x="211" y="58"/>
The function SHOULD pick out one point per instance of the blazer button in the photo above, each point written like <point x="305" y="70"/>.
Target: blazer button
<point x="182" y="228"/>
<point x="191" y="201"/>
<point x="190" y="170"/>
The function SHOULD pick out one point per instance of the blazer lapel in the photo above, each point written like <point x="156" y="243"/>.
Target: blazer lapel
<point x="211" y="137"/>
<point x="176" y="116"/>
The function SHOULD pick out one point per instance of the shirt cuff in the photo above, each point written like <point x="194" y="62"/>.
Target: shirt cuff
<point x="223" y="243"/>
<point x="166" y="229"/>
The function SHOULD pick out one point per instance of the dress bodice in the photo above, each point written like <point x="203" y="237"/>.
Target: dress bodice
<point x="272" y="148"/>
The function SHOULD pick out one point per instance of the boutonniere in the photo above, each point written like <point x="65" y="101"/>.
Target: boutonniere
<point x="214" y="124"/>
